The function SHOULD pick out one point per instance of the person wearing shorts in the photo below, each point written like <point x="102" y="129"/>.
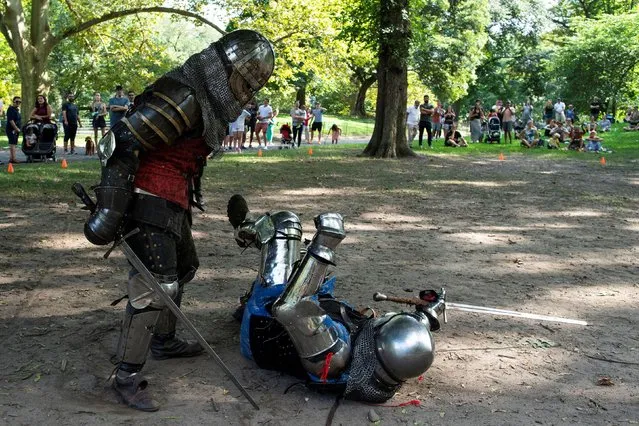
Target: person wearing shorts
<point x="98" y="114"/>
<point x="317" y="122"/>
<point x="14" y="123"/>
<point x="264" y="114"/>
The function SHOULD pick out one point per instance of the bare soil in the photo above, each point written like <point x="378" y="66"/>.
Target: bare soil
<point x="542" y="236"/>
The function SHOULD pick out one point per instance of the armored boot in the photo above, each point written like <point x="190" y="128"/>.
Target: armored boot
<point x="164" y="344"/>
<point x="133" y="347"/>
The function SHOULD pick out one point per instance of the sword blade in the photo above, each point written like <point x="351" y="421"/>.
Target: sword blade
<point x="157" y="288"/>
<point x="495" y="311"/>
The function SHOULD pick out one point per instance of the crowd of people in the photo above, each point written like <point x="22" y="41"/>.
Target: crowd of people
<point x="503" y="121"/>
<point x="43" y="114"/>
<point x="253" y="121"/>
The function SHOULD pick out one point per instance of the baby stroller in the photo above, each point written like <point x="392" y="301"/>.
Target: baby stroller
<point x="38" y="141"/>
<point x="286" y="134"/>
<point x="493" y="131"/>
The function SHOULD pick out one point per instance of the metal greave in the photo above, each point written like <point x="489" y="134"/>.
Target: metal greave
<point x="135" y="337"/>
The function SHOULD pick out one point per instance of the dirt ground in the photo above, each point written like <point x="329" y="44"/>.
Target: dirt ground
<point x="543" y="236"/>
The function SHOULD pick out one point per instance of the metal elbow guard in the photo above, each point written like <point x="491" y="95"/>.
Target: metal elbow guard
<point x="114" y="197"/>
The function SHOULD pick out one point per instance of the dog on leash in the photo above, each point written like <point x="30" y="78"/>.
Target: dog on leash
<point x="90" y="146"/>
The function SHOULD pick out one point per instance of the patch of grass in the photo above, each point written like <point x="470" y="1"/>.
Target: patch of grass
<point x="350" y="126"/>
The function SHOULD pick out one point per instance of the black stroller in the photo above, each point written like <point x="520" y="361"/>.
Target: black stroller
<point x="38" y="141"/>
<point x="493" y="131"/>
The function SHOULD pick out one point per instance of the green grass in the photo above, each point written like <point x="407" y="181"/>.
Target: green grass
<point x="351" y="127"/>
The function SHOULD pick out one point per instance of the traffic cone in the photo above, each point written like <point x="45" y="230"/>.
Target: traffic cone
<point x="310" y="151"/>
<point x="501" y="156"/>
<point x="603" y="161"/>
<point x="64" y="164"/>
<point x="259" y="152"/>
<point x="10" y="168"/>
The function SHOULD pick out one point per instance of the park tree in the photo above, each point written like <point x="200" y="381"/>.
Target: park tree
<point x="34" y="29"/>
<point x="587" y="60"/>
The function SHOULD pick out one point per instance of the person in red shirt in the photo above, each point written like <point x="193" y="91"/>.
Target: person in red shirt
<point x="153" y="160"/>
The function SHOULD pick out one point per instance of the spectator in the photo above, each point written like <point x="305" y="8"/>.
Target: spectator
<point x="454" y="138"/>
<point x="526" y="112"/>
<point x="438" y="114"/>
<point x="269" y="129"/>
<point x="297" y="120"/>
<point x="529" y="137"/>
<point x="70" y="122"/>
<point x="118" y="106"/>
<point x="591" y="125"/>
<point x="549" y="109"/>
<point x="604" y="124"/>
<point x="239" y="129"/>
<point x="131" y="97"/>
<point x="595" y="108"/>
<point x="42" y="112"/>
<point x="252" y="122"/>
<point x="576" y="139"/>
<point x="412" y="121"/>
<point x="14" y="124"/>
<point x="475" y="117"/>
<point x="570" y="113"/>
<point x="264" y="114"/>
<point x="632" y="117"/>
<point x="560" y="109"/>
<point x="317" y="122"/>
<point x="425" y="121"/>
<point x="98" y="114"/>
<point x="507" y="121"/>
<point x="307" y="117"/>
<point x="449" y="119"/>
<point x="594" y="142"/>
<point x="336" y="132"/>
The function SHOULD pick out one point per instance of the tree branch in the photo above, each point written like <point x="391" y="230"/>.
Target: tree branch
<point x="121" y="13"/>
<point x="285" y="36"/>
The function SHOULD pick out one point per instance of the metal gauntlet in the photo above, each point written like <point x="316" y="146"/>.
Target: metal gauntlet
<point x="313" y="332"/>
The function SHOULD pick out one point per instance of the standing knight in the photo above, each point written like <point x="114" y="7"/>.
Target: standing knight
<point x="152" y="166"/>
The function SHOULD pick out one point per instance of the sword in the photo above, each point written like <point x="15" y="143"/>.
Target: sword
<point x="378" y="297"/>
<point x="157" y="288"/>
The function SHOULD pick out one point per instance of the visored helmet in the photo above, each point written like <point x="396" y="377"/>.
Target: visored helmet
<point x="250" y="60"/>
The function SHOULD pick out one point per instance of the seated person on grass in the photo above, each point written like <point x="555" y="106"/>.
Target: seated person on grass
<point x="594" y="142"/>
<point x="590" y="126"/>
<point x="605" y="124"/>
<point x="576" y="139"/>
<point x="454" y="138"/>
<point x="632" y="116"/>
<point x="529" y="137"/>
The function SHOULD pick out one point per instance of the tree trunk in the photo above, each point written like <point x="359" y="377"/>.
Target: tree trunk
<point x="359" y="108"/>
<point x="389" y="135"/>
<point x="301" y="95"/>
<point x="34" y="80"/>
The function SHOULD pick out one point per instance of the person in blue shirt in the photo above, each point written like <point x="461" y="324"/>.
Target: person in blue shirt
<point x="14" y="123"/>
<point x="118" y="106"/>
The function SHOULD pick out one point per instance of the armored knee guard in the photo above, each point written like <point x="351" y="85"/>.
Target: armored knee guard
<point x="135" y="337"/>
<point x="314" y="334"/>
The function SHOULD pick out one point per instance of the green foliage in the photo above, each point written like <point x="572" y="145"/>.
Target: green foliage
<point x="602" y="56"/>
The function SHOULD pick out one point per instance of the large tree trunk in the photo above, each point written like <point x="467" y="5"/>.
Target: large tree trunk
<point x="301" y="95"/>
<point x="34" y="80"/>
<point x="389" y="135"/>
<point x="359" y="108"/>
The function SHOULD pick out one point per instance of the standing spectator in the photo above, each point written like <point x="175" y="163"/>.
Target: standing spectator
<point x="425" y="121"/>
<point x="42" y="111"/>
<point x="70" y="122"/>
<point x="412" y="121"/>
<point x="269" y="129"/>
<point x="570" y="113"/>
<point x="449" y="119"/>
<point x="131" y="97"/>
<point x="118" y="106"/>
<point x="336" y="132"/>
<point x="297" y="120"/>
<point x="595" y="108"/>
<point x="307" y="117"/>
<point x="475" y="116"/>
<point x="507" y="121"/>
<point x="264" y="114"/>
<point x="98" y="114"/>
<point x="560" y="109"/>
<point x="252" y="121"/>
<point x="317" y="122"/>
<point x="526" y="112"/>
<point x="14" y="124"/>
<point x="438" y="114"/>
<point x="239" y="129"/>
<point x="549" y="110"/>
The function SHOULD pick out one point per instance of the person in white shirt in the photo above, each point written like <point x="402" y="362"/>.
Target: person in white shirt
<point x="264" y="114"/>
<point x="238" y="127"/>
<point x="412" y="121"/>
<point x="560" y="108"/>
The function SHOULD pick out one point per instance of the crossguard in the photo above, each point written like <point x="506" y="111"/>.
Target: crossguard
<point x="430" y="303"/>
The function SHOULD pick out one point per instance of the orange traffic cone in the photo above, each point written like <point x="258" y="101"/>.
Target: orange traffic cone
<point x="10" y="168"/>
<point x="603" y="161"/>
<point x="64" y="164"/>
<point x="259" y="152"/>
<point x="501" y="156"/>
<point x="310" y="151"/>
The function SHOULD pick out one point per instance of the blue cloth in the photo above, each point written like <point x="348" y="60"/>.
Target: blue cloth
<point x="72" y="113"/>
<point x="115" y="116"/>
